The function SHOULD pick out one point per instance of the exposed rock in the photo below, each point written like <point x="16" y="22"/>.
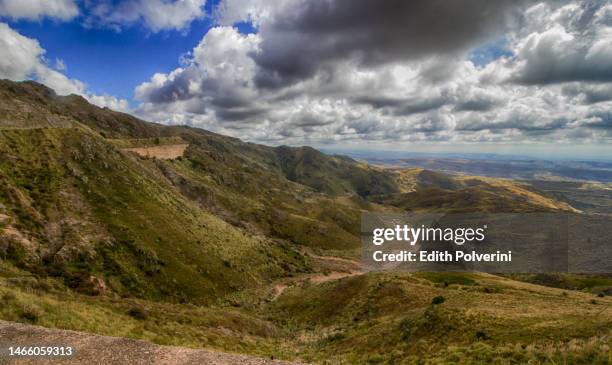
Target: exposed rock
<point x="98" y="286"/>
<point x="92" y="349"/>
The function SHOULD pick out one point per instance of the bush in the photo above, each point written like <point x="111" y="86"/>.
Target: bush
<point x="482" y="335"/>
<point x="137" y="313"/>
<point x="31" y="312"/>
<point x="8" y="297"/>
<point x="438" y="300"/>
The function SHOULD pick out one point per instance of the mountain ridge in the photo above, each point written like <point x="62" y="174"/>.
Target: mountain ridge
<point x="241" y="247"/>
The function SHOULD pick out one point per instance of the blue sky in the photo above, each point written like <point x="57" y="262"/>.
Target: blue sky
<point x="109" y="61"/>
<point x="469" y="75"/>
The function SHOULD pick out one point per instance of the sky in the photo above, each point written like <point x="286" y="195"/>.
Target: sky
<point x="514" y="76"/>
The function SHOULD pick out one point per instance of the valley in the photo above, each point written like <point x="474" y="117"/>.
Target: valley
<point x="178" y="236"/>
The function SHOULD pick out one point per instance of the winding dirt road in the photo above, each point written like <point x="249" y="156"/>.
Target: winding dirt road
<point x="351" y="268"/>
<point x="96" y="349"/>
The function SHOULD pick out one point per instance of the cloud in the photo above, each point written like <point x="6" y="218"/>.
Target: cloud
<point x="37" y="9"/>
<point x="339" y="71"/>
<point x="477" y="100"/>
<point x="60" y="65"/>
<point x="588" y="94"/>
<point x="109" y="101"/>
<point x="156" y="15"/>
<point x="217" y="79"/>
<point x="227" y="13"/>
<point x="21" y="55"/>
<point x="576" y="45"/>
<point x="23" y="59"/>
<point x="59" y="82"/>
<point x="300" y="39"/>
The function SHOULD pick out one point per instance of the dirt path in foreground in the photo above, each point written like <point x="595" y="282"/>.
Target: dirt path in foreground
<point x="95" y="349"/>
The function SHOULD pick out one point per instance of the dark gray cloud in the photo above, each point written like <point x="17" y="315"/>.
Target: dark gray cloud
<point x="589" y="94"/>
<point x="477" y="104"/>
<point x="421" y="106"/>
<point x="559" y="68"/>
<point x="602" y="120"/>
<point x="377" y="101"/>
<point x="240" y="114"/>
<point x="403" y="71"/>
<point x="403" y="107"/>
<point x="310" y="120"/>
<point x="364" y="126"/>
<point x="297" y="43"/>
<point x="525" y="124"/>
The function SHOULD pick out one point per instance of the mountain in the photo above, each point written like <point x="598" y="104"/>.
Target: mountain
<point x="425" y="190"/>
<point x="180" y="236"/>
<point x="513" y="167"/>
<point x="77" y="205"/>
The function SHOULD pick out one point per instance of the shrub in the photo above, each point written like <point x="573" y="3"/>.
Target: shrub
<point x="482" y="335"/>
<point x="8" y="297"/>
<point x="31" y="312"/>
<point x="137" y="313"/>
<point x="438" y="300"/>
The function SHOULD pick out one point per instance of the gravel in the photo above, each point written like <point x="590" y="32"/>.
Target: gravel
<point x="95" y="349"/>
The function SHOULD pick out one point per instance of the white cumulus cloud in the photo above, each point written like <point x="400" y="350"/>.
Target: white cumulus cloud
<point x="350" y="72"/>
<point x="156" y="15"/>
<point x="38" y="9"/>
<point x="23" y="59"/>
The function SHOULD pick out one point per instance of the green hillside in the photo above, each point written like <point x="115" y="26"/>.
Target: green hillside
<point x="250" y="248"/>
<point x="77" y="207"/>
<point x="481" y="319"/>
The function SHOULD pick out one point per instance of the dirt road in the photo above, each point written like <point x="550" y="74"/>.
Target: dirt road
<point x="94" y="349"/>
<point x="164" y="152"/>
<point x="349" y="268"/>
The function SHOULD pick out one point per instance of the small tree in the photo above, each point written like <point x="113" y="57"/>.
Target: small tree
<point x="437" y="300"/>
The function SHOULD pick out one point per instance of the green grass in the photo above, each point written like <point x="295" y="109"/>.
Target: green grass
<point x="377" y="318"/>
<point x="131" y="228"/>
<point x="383" y="318"/>
<point x="189" y="250"/>
<point x="145" y="142"/>
<point x="221" y="328"/>
<point x="448" y="278"/>
<point x="596" y="284"/>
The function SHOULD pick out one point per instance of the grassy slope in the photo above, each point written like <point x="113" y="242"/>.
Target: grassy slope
<point x="46" y="302"/>
<point x="374" y="318"/>
<point x="147" y="240"/>
<point x="274" y="191"/>
<point x="390" y="318"/>
<point x="422" y="190"/>
<point x="220" y="224"/>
